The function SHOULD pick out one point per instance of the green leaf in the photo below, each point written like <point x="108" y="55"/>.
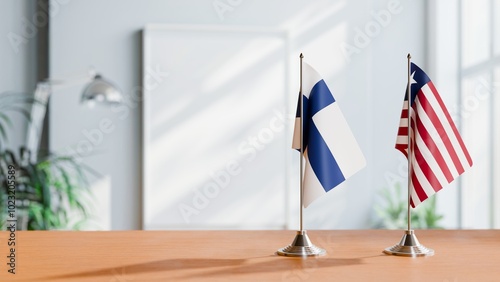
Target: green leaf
<point x="56" y="186"/>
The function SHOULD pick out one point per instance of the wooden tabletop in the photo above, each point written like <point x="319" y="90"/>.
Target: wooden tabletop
<point x="461" y="255"/>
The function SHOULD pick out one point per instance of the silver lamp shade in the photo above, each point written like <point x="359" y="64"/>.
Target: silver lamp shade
<point x="101" y="90"/>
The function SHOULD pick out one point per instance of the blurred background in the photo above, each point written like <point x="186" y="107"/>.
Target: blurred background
<point x="201" y="138"/>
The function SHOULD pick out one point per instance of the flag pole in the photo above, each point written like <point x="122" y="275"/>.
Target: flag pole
<point x="301" y="170"/>
<point x="301" y="245"/>
<point x="408" y="90"/>
<point x="409" y="246"/>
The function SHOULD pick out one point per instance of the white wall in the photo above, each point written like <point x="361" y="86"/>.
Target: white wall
<point x="369" y="86"/>
<point x="18" y="57"/>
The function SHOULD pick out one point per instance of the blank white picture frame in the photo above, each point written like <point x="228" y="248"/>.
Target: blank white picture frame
<point x="216" y="133"/>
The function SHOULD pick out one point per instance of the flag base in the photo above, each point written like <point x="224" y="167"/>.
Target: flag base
<point x="409" y="247"/>
<point x="301" y="247"/>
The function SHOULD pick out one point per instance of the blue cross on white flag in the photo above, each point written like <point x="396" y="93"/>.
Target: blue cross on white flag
<point x="330" y="149"/>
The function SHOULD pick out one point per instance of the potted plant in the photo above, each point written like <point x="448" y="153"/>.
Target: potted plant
<point x="49" y="193"/>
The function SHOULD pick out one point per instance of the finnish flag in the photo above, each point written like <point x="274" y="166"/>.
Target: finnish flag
<point x="330" y="150"/>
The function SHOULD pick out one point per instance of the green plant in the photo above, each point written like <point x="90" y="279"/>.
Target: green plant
<point x="393" y="213"/>
<point x="50" y="193"/>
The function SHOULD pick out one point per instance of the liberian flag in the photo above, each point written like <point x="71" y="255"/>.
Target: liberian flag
<point x="330" y="150"/>
<point x="438" y="153"/>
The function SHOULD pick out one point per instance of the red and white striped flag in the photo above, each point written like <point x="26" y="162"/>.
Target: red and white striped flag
<point x="438" y="153"/>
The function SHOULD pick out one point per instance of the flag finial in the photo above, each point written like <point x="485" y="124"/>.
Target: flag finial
<point x="409" y="56"/>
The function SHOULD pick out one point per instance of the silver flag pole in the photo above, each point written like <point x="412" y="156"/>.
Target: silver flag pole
<point x="301" y="245"/>
<point x="409" y="246"/>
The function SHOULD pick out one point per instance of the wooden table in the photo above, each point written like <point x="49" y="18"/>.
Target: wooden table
<point x="461" y="255"/>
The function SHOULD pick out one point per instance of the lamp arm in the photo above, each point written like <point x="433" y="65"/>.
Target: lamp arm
<point x="57" y="83"/>
<point x="98" y="87"/>
<point x="38" y="110"/>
